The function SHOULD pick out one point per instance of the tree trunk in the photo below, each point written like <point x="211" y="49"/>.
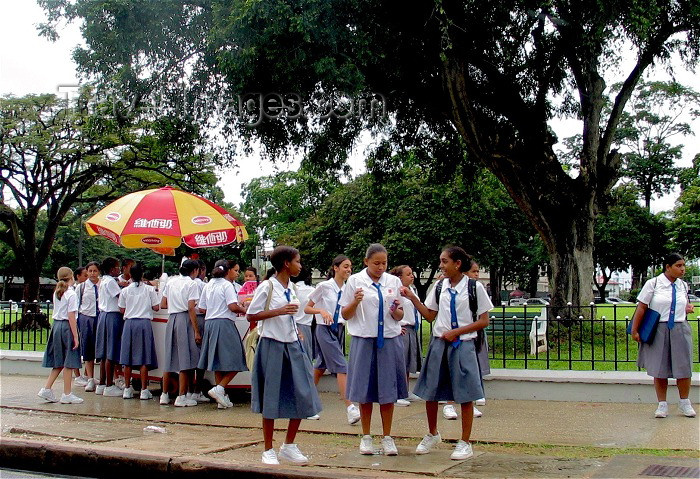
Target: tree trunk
<point x="31" y="286"/>
<point x="495" y="283"/>
<point x="571" y="258"/>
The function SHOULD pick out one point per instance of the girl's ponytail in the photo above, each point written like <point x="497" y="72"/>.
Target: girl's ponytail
<point x="64" y="275"/>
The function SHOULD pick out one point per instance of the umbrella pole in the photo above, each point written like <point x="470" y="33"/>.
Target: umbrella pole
<point x="162" y="266"/>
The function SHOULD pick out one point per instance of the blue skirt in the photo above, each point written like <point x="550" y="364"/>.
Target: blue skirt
<point x="59" y="350"/>
<point x="181" y="352"/>
<point x="367" y="381"/>
<point x="86" y="329"/>
<point x="308" y="341"/>
<point x="282" y="384"/>
<point x="108" y="336"/>
<point x="222" y="349"/>
<point x="449" y="373"/>
<point x="138" y="346"/>
<point x="329" y="350"/>
<point x="411" y="349"/>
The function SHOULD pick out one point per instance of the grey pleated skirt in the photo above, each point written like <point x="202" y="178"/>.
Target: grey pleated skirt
<point x="308" y="341"/>
<point x="138" y="346"/>
<point x="670" y="355"/>
<point x="449" y="373"/>
<point x="222" y="349"/>
<point x="108" y="336"/>
<point x="86" y="329"/>
<point x="483" y="356"/>
<point x="411" y="350"/>
<point x="282" y="383"/>
<point x="329" y="349"/>
<point x="376" y="375"/>
<point x="181" y="352"/>
<point x="59" y="350"/>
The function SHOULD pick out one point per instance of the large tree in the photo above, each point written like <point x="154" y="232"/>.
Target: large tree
<point x="648" y="135"/>
<point x="56" y="156"/>
<point x="685" y="225"/>
<point x="495" y="73"/>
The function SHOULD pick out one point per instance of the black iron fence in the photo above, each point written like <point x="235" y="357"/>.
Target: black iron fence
<point x="25" y="326"/>
<point x="593" y="337"/>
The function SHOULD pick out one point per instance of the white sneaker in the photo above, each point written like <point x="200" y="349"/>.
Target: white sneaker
<point x="199" y="397"/>
<point x="270" y="457"/>
<point x="366" y="446"/>
<point x="100" y="389"/>
<point x="661" y="410"/>
<point x="463" y="450"/>
<point x="227" y="403"/>
<point x="112" y="391"/>
<point x="686" y="408"/>
<point x="145" y="394"/>
<point x="412" y="397"/>
<point x="218" y="394"/>
<point x="402" y="403"/>
<point x="90" y="386"/>
<point x="429" y="441"/>
<point x="81" y="381"/>
<point x="449" y="411"/>
<point x="182" y="401"/>
<point x="128" y="393"/>
<point x="47" y="394"/>
<point x="291" y="453"/>
<point x="315" y="417"/>
<point x="120" y="383"/>
<point x="480" y="402"/>
<point x="389" y="447"/>
<point x="164" y="399"/>
<point x="70" y="399"/>
<point x="477" y="413"/>
<point x="353" y="414"/>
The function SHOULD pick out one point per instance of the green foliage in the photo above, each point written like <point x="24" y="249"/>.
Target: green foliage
<point x="627" y="234"/>
<point x="646" y="131"/>
<point x="685" y="225"/>
<point x="64" y="158"/>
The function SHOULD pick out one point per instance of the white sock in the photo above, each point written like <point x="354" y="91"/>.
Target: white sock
<point x="684" y="401"/>
<point x="663" y="403"/>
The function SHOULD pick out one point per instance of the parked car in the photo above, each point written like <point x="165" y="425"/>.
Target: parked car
<point x="614" y="300"/>
<point x="516" y="302"/>
<point x="537" y="301"/>
<point x="693" y="298"/>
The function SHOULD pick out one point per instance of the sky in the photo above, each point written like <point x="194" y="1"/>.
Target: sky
<point x="32" y="64"/>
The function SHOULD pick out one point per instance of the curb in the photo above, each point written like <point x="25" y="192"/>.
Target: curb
<point x="73" y="460"/>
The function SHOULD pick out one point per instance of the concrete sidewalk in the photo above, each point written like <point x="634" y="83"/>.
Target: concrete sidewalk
<point x="105" y="437"/>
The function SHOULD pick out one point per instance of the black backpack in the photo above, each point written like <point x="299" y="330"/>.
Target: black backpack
<point x="473" y="305"/>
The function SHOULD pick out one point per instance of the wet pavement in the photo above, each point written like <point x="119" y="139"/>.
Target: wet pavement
<point x="513" y="439"/>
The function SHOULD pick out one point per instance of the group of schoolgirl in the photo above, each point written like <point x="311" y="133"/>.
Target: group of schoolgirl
<point x="372" y="305"/>
<point x="99" y="320"/>
<point x="88" y="324"/>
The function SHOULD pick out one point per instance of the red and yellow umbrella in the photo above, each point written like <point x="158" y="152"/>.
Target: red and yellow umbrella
<point x="162" y="219"/>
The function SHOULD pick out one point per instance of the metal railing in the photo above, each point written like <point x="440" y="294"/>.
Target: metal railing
<point x="34" y="337"/>
<point x="592" y="337"/>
